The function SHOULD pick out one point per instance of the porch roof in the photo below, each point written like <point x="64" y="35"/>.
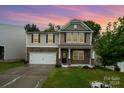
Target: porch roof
<point x="76" y="46"/>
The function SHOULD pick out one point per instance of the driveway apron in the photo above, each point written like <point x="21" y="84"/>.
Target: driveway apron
<point x="32" y="76"/>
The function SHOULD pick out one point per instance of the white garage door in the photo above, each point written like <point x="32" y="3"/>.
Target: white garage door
<point x="42" y="58"/>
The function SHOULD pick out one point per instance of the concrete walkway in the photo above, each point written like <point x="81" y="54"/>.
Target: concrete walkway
<point x="32" y="76"/>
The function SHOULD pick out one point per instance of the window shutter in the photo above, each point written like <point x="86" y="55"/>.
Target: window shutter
<point x="46" y="38"/>
<point x="64" y="37"/>
<point x="39" y="38"/>
<point x="85" y="36"/>
<point x="32" y="38"/>
<point x="53" y="38"/>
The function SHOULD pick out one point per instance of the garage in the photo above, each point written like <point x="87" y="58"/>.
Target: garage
<point x="42" y="58"/>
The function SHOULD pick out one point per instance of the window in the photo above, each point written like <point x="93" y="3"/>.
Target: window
<point x="35" y="38"/>
<point x="81" y="55"/>
<point x="49" y="38"/>
<point x="75" y="26"/>
<point x="75" y="55"/>
<point x="78" y="55"/>
<point x="81" y="37"/>
<point x="75" y="37"/>
<point x="32" y="38"/>
<point x="69" y="36"/>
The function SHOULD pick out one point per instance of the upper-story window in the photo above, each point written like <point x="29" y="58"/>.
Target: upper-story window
<point x="35" y="38"/>
<point x="75" y="37"/>
<point x="50" y="38"/>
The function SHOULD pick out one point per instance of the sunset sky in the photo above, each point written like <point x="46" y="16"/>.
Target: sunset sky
<point x="42" y="15"/>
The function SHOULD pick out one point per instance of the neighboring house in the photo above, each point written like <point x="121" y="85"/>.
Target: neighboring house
<point x="72" y="44"/>
<point x="1" y="52"/>
<point x="12" y="42"/>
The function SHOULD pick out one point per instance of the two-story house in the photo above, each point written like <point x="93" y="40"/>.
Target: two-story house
<point x="72" y="44"/>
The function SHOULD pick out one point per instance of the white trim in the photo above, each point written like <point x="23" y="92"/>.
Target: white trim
<point x="69" y="56"/>
<point x="90" y="38"/>
<point x="59" y="37"/>
<point x="26" y="48"/>
<point x="41" y="46"/>
<point x="59" y="53"/>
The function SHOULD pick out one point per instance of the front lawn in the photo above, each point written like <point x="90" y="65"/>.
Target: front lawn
<point x="8" y="65"/>
<point x="80" y="78"/>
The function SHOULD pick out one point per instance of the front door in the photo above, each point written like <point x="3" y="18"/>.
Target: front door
<point x="64" y="56"/>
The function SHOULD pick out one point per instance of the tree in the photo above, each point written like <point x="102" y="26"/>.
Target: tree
<point x="110" y="45"/>
<point x="95" y="27"/>
<point x="52" y="27"/>
<point x="31" y="28"/>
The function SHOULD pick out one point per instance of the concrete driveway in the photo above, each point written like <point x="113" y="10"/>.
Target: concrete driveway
<point x="32" y="76"/>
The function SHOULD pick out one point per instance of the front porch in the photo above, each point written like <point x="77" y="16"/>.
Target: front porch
<point x="73" y="56"/>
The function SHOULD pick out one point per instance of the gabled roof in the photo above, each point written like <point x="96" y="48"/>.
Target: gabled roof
<point x="80" y="26"/>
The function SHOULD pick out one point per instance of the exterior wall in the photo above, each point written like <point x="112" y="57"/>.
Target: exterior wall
<point x="42" y="41"/>
<point x="12" y="37"/>
<point x="87" y="38"/>
<point x="62" y="38"/>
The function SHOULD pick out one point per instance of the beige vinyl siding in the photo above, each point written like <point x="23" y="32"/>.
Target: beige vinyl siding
<point x="88" y="38"/>
<point x="62" y="37"/>
<point x="69" y="37"/>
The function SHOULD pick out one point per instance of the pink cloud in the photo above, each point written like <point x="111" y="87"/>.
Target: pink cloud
<point x="40" y="20"/>
<point x="43" y="20"/>
<point x="72" y="8"/>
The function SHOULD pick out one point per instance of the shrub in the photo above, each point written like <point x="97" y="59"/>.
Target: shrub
<point x="117" y="68"/>
<point x="86" y="67"/>
<point x="58" y="65"/>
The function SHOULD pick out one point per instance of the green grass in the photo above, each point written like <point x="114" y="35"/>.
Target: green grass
<point x="8" y="65"/>
<point x="80" y="78"/>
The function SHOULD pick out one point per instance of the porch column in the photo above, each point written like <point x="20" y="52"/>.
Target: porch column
<point x="59" y="53"/>
<point x="59" y="37"/>
<point x="69" y="56"/>
<point x="90" y="38"/>
<point x="59" y="56"/>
